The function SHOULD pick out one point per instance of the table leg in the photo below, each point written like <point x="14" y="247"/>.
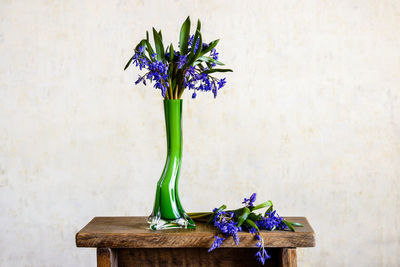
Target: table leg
<point x="288" y="257"/>
<point x="107" y="257"/>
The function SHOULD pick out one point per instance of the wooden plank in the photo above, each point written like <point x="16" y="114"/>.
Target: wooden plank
<point x="288" y="257"/>
<point x="233" y="257"/>
<point x="134" y="232"/>
<point x="106" y="257"/>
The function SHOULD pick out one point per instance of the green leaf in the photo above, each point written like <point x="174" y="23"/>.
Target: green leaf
<point x="254" y="217"/>
<point x="200" y="215"/>
<point x="150" y="50"/>
<point x="171" y="53"/>
<point x="184" y="36"/>
<point x="289" y="225"/>
<point x="159" y="45"/>
<point x="160" y="35"/>
<point x="201" y="67"/>
<point x="147" y="35"/>
<point x="198" y="25"/>
<point x="197" y="55"/>
<point x="197" y="62"/>
<point x="264" y="204"/>
<point x="220" y="208"/>
<point x="251" y="224"/>
<point x="209" y="60"/>
<point x="197" y="213"/>
<point x="297" y="224"/>
<point x="174" y="81"/>
<point x="129" y="62"/>
<point x="201" y="219"/>
<point x="210" y="47"/>
<point x="243" y="216"/>
<point x="195" y="38"/>
<point x="209" y="65"/>
<point x="225" y="70"/>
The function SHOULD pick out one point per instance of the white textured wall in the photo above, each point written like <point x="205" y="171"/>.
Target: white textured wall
<point x="309" y="119"/>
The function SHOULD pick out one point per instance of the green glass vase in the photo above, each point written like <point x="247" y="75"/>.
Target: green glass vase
<point x="168" y="211"/>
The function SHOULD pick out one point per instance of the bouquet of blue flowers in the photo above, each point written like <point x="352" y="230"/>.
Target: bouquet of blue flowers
<point x="230" y="222"/>
<point x="172" y="71"/>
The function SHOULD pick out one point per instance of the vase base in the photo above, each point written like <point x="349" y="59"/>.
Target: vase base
<point x="156" y="223"/>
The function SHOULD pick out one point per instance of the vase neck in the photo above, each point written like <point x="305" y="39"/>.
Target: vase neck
<point x="173" y="126"/>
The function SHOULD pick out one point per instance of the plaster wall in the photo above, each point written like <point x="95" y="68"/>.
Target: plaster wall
<point x="310" y="118"/>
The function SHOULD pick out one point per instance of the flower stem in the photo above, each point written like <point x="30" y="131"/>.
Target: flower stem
<point x="170" y="89"/>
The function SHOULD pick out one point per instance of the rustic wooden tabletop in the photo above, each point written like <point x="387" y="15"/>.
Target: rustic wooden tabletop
<point x="133" y="241"/>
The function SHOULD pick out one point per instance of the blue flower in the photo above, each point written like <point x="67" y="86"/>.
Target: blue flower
<point x="182" y="61"/>
<point x="249" y="201"/>
<point x="141" y="79"/>
<point x="225" y="224"/>
<point x="215" y="91"/>
<point x="271" y="221"/>
<point x="217" y="243"/>
<point x="221" y="83"/>
<point x="214" y="54"/>
<point x="141" y="49"/>
<point x="262" y="255"/>
<point x="190" y="71"/>
<point x="159" y="71"/>
<point x="253" y="230"/>
<point x="253" y="197"/>
<point x="190" y="43"/>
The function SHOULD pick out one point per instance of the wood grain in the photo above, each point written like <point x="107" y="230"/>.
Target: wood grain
<point x="134" y="232"/>
<point x="106" y="257"/>
<point x="288" y="257"/>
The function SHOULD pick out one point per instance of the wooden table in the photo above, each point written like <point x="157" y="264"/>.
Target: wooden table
<point x="128" y="241"/>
